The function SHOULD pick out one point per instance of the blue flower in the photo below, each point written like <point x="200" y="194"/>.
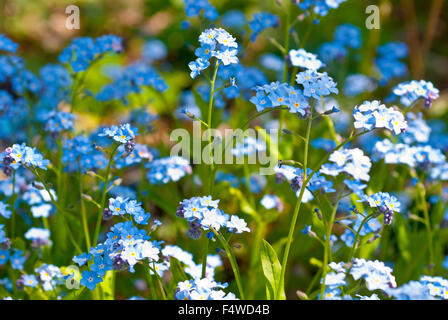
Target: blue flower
<point x="84" y="50"/>
<point x="388" y="62"/>
<point x="17" y="259"/>
<point x="22" y="154"/>
<point x="90" y="279"/>
<point x="164" y="170"/>
<point x="216" y="43"/>
<point x="4" y="212"/>
<point x="410" y="92"/>
<point x="351" y="161"/>
<point x="121" y="134"/>
<point x="262" y="21"/>
<point x="4" y="256"/>
<point x="348" y="35"/>
<point x="303" y="59"/>
<point x="30" y="280"/>
<point x="193" y="8"/>
<point x="7" y="44"/>
<point x="101" y="265"/>
<point x="82" y="258"/>
<point x="320" y="7"/>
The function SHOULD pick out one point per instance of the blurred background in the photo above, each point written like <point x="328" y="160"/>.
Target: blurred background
<point x="39" y="27"/>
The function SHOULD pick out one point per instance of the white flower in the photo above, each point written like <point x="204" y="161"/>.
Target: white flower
<point x="237" y="224"/>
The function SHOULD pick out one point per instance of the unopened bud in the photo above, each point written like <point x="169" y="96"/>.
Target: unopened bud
<point x="302" y="295"/>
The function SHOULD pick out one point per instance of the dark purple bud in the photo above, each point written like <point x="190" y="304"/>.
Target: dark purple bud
<point x="5" y="245"/>
<point x="7" y="160"/>
<point x="180" y="211"/>
<point x="388" y="215"/>
<point x="119" y="264"/>
<point x="129" y="146"/>
<point x="20" y="283"/>
<point x="296" y="183"/>
<point x="107" y="214"/>
<point x="278" y="178"/>
<point x="194" y="233"/>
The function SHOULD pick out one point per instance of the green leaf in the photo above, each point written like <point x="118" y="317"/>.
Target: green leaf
<point x="108" y="286"/>
<point x="403" y="238"/>
<point x="178" y="274"/>
<point x="18" y="243"/>
<point x="325" y="205"/>
<point x="272" y="271"/>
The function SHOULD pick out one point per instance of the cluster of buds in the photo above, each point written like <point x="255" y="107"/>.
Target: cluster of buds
<point x="195" y="230"/>
<point x="119" y="264"/>
<point x="129" y="146"/>
<point x="7" y="161"/>
<point x="296" y="183"/>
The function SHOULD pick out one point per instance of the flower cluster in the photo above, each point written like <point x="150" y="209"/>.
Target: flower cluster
<point x="423" y="156"/>
<point x="410" y="92"/>
<point x="84" y="50"/>
<point x="281" y="94"/>
<point x="124" y="247"/>
<point x="375" y="274"/>
<point x="345" y="37"/>
<point x="21" y="154"/>
<point x="301" y="58"/>
<point x="320" y="7"/>
<point x="427" y="288"/>
<point x="193" y="8"/>
<point x="351" y="161"/>
<point x="388" y="61"/>
<point x="216" y="43"/>
<point x="357" y="84"/>
<point x="203" y="213"/>
<point x="38" y="236"/>
<point x="316" y="84"/>
<point x="164" y="170"/>
<point x="385" y="203"/>
<point x="372" y="225"/>
<point x="120" y="206"/>
<point x="248" y="146"/>
<point x="373" y="114"/>
<point x="295" y="178"/>
<point x="124" y="134"/>
<point x="260" y="22"/>
<point x="131" y="80"/>
<point x="4" y="212"/>
<point x="139" y="153"/>
<point x="7" y="44"/>
<point x="202" y="289"/>
<point x="56" y="122"/>
<point x="80" y="154"/>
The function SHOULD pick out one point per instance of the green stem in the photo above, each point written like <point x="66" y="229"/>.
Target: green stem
<point x="285" y="65"/>
<point x="60" y="210"/>
<point x="329" y="122"/>
<point x="13" y="202"/>
<point x="422" y="199"/>
<point x="327" y="249"/>
<point x="299" y="200"/>
<point x="255" y="256"/>
<point x="83" y="213"/>
<point x="296" y="210"/>
<point x="204" y="256"/>
<point x="212" y="165"/>
<point x="103" y="196"/>
<point x="233" y="263"/>
<point x="355" y="242"/>
<point x="209" y="124"/>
